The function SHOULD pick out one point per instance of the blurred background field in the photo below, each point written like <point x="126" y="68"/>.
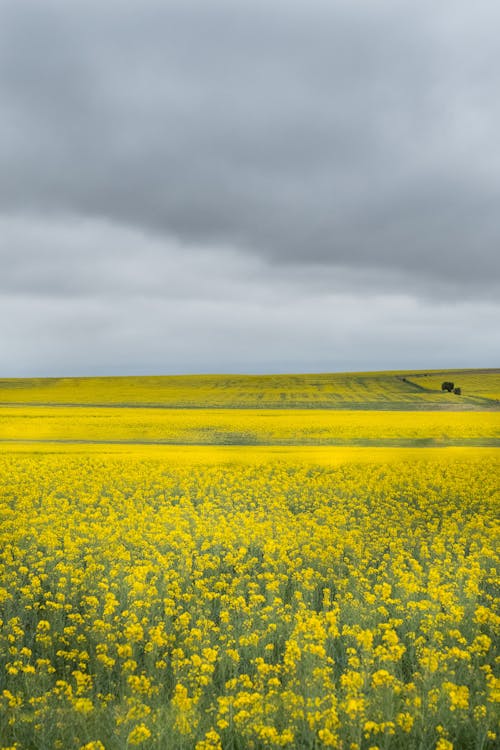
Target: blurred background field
<point x="480" y="389"/>
<point x="249" y="427"/>
<point x="365" y="409"/>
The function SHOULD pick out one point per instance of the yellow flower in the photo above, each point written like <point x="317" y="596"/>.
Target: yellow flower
<point x="405" y="721"/>
<point x="443" y="744"/>
<point x="139" y="734"/>
<point x="140" y="685"/>
<point x="458" y="695"/>
<point x="212" y="741"/>
<point x="83" y="705"/>
<point x="382" y="678"/>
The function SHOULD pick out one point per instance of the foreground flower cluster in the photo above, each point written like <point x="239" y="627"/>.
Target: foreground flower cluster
<point x="151" y="605"/>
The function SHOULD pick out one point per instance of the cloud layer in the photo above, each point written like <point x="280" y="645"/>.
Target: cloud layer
<point x="266" y="185"/>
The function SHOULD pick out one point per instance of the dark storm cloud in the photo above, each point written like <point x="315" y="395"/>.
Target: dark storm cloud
<point x="360" y="135"/>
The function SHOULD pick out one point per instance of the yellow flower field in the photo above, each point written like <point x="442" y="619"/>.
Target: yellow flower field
<point x="196" y="598"/>
<point x="385" y="390"/>
<point x="485" y="384"/>
<point x="250" y="426"/>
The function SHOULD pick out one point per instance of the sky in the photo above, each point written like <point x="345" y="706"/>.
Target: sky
<point x="248" y="186"/>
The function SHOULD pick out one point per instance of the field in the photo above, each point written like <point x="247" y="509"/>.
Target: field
<point x="379" y="390"/>
<point x="257" y="577"/>
<point x="248" y="426"/>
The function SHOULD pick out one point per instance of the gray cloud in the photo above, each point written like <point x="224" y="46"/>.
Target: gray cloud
<point x="352" y="133"/>
<point x="141" y="335"/>
<point x="260" y="185"/>
<point x="74" y="257"/>
<point x="105" y="308"/>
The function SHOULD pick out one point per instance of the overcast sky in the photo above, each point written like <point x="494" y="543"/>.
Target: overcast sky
<point x="248" y="186"/>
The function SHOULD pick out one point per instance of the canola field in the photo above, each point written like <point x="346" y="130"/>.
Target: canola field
<point x="160" y="603"/>
<point x="248" y="426"/>
<point x="249" y="562"/>
<point x="368" y="390"/>
<point x="483" y="384"/>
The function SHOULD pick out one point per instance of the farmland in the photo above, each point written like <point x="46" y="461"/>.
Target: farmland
<point x="185" y="564"/>
<point x="384" y="390"/>
<point x="249" y="426"/>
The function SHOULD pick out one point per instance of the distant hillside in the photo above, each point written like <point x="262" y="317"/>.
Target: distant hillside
<point x="480" y="389"/>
